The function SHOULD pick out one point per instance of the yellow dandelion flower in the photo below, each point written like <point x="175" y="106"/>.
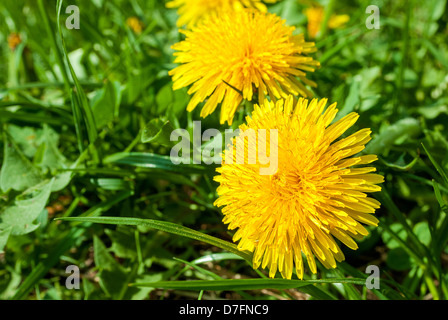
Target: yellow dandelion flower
<point x="315" y="16"/>
<point x="316" y="196"/>
<point x="192" y="11"/>
<point x="135" y="24"/>
<point x="235" y="56"/>
<point x="14" y="40"/>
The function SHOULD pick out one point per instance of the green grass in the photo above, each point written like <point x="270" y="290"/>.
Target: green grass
<point x="86" y="178"/>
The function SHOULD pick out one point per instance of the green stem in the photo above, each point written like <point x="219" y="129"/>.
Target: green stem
<point x="139" y="252"/>
<point x="324" y="25"/>
<point x="431" y="286"/>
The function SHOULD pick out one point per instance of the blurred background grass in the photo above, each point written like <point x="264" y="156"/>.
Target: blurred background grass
<point x="71" y="146"/>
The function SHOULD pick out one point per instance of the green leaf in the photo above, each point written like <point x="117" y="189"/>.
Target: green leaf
<point x="399" y="231"/>
<point x="17" y="172"/>
<point x="123" y="242"/>
<point x="423" y="232"/>
<point x="216" y="257"/>
<point x="77" y="119"/>
<point x="103" y="260"/>
<point x="158" y="130"/>
<point x="26" y="138"/>
<point x="154" y="161"/>
<point x="164" y="98"/>
<point x="106" y="103"/>
<point x="433" y="111"/>
<point x="244" y="284"/>
<point x="353" y="98"/>
<point x="317" y="293"/>
<point x="436" y="52"/>
<point x="30" y="117"/>
<point x="52" y="294"/>
<point x="51" y="159"/>
<point x="289" y="9"/>
<point x="61" y="180"/>
<point x="112" y="184"/>
<point x="141" y="293"/>
<point x="26" y="209"/>
<point x="393" y="134"/>
<point x="138" y="81"/>
<point x="9" y="284"/>
<point x="399" y="164"/>
<point x="113" y="277"/>
<point x="167" y="227"/>
<point x="4" y="235"/>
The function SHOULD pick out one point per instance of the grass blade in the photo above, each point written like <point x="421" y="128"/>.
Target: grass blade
<point x="154" y="161"/>
<point x="244" y="284"/>
<point x="86" y="110"/>
<point x="77" y="119"/>
<point x="438" y="167"/>
<point x="167" y="227"/>
<point x="441" y="236"/>
<point x="50" y="34"/>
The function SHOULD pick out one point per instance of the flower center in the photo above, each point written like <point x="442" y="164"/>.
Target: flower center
<point x="289" y="186"/>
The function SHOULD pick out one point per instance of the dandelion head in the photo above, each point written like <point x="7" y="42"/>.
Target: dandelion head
<point x="315" y="15"/>
<point x="135" y="24"/>
<point x="316" y="199"/>
<point x="14" y="40"/>
<point x="242" y="55"/>
<point x="192" y="11"/>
